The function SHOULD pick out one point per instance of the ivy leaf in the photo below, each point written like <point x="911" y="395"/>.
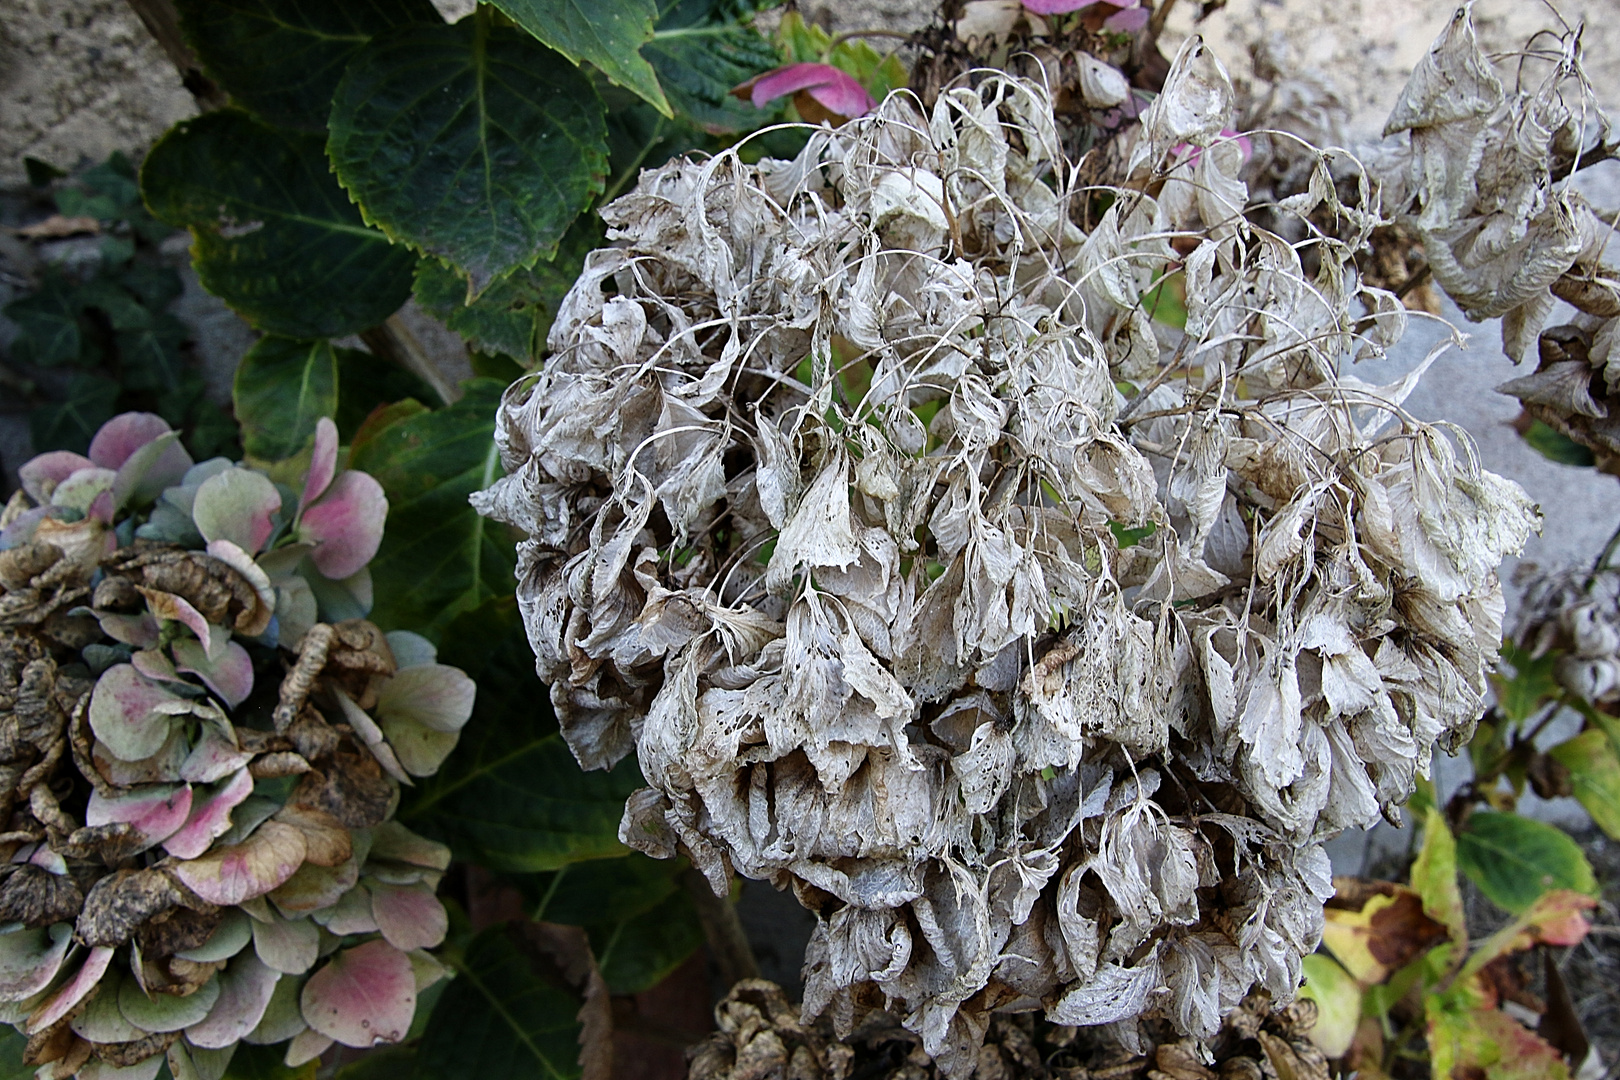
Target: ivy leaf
<point x="71" y="424"/>
<point x="604" y="33"/>
<point x="281" y="59"/>
<point x="511" y="797"/>
<point x="468" y="142"/>
<point x="51" y="332"/>
<point x="506" y="1016"/>
<point x="438" y="557"/>
<point x="1514" y="860"/>
<point x="273" y="234"/>
<point x="282" y="388"/>
<point x="150" y="355"/>
<point x="1594" y="769"/>
<point x="700" y="55"/>
<point x="512" y="315"/>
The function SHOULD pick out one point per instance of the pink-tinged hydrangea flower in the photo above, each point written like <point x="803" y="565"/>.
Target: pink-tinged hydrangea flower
<point x="30" y="959"/>
<point x="124" y="713"/>
<point x="145" y="452"/>
<point x="157" y="812"/>
<point x="238" y="505"/>
<point x="341" y="514"/>
<point x="363" y="997"/>
<point x="837" y="93"/>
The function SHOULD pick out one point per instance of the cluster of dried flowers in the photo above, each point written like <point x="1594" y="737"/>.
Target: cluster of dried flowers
<point x="1577" y="614"/>
<point x="201" y="743"/>
<point x="1035" y="645"/>
<point x="759" y="1033"/>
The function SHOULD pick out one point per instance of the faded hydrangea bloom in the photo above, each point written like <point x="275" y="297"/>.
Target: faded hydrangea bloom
<point x="1036" y="646"/>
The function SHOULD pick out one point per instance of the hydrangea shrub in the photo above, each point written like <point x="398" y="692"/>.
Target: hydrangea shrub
<point x="203" y="742"/>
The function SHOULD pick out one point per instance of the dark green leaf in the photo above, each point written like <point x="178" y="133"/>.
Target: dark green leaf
<point x="12" y="1043"/>
<point x="1556" y="446"/>
<point x="642" y="951"/>
<point x="605" y="890"/>
<point x="274" y="234"/>
<point x="512" y="797"/>
<point x="150" y="355"/>
<point x="281" y="59"/>
<point x="250" y="1062"/>
<point x="49" y="320"/>
<point x="155" y="286"/>
<point x="639" y="138"/>
<point x="123" y="311"/>
<point x="1126" y="537"/>
<point x="1514" y="860"/>
<point x="1533" y="681"/>
<point x="389" y="1062"/>
<point x="605" y="33"/>
<point x="471" y="143"/>
<point x="41" y="173"/>
<point x="365" y="382"/>
<point x="514" y="313"/>
<point x="282" y="388"/>
<point x="700" y="56"/>
<point x="501" y="1019"/>
<point x="1594" y="770"/>
<point x="69" y="425"/>
<point x="438" y="557"/>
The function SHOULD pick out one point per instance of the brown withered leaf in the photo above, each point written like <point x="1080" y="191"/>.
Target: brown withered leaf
<point x="36" y="897"/>
<point x="326" y="841"/>
<point x="564" y="953"/>
<point x="125" y="1054"/>
<point x="215" y="588"/>
<point x="175" y="930"/>
<point x="349" y="785"/>
<point x="120" y="902"/>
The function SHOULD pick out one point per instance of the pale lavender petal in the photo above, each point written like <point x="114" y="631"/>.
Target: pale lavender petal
<point x="363" y="997"/>
<point x="323" y="465"/>
<point x="1056" y="7"/>
<point x="346" y="525"/>
<point x="410" y="649"/>
<point x="213" y="758"/>
<point x="435" y="695"/>
<point x="232" y="874"/>
<point x="211" y="818"/>
<point x="124" y="434"/>
<point x="157" y="812"/>
<point x="290" y="946"/>
<point x="141" y="631"/>
<point x="306" y="1047"/>
<point x="244" y="994"/>
<point x="837" y="90"/>
<point x="409" y="916"/>
<point x="124" y="716"/>
<point x="236" y="505"/>
<point x="1128" y="21"/>
<point x="350" y="915"/>
<point x="74" y="990"/>
<point x="40" y="475"/>
<point x="30" y="959"/>
<point x="230" y="676"/>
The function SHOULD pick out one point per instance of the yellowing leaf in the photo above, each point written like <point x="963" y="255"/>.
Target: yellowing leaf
<point x="1434" y="876"/>
<point x="1594" y="769"/>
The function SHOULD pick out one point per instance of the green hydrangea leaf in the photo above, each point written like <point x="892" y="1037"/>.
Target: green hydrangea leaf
<point x="700" y="55"/>
<point x="367" y="382"/>
<point x="281" y="59"/>
<point x="273" y="233"/>
<point x="282" y="387"/>
<point x="472" y="143"/>
<point x="1594" y="770"/>
<point x="1514" y="859"/>
<point x="603" y="33"/>
<point x="639" y="952"/>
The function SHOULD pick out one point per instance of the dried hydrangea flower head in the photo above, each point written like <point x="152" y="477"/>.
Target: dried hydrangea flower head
<point x="196" y="856"/>
<point x="1036" y="646"/>
<point x="1576" y="614"/>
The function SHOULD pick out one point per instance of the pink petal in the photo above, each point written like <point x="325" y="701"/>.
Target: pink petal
<point x="82" y="490"/>
<point x="409" y="916"/>
<point x="435" y="695"/>
<point x="162" y="767"/>
<point x="40" y="475"/>
<point x="156" y="811"/>
<point x="290" y="946"/>
<point x="244" y="993"/>
<point x="211" y="818"/>
<point x="346" y="525"/>
<point x="1129" y="21"/>
<point x="30" y="959"/>
<point x="83" y="981"/>
<point x="167" y="606"/>
<point x="160" y="464"/>
<point x="236" y="505"/>
<point x="262" y="862"/>
<point x="123" y="713"/>
<point x="363" y="997"/>
<point x="213" y="758"/>
<point x="837" y="90"/>
<point x="123" y="435"/>
<point x="306" y="1047"/>
<point x="323" y="465"/>
<point x="230" y="676"/>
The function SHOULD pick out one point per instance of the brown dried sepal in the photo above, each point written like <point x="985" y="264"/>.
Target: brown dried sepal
<point x="36" y="897"/>
<point x="120" y="902"/>
<point x="326" y="841"/>
<point x="19" y="566"/>
<point x="124" y="1054"/>
<point x="349" y="785"/>
<point x="59" y="1044"/>
<point x="358" y="660"/>
<point x="222" y="595"/>
<point x="175" y="930"/>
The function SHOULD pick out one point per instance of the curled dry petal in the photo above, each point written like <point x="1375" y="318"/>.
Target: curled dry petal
<point x="238" y="872"/>
<point x="236" y="505"/>
<point x="233" y="556"/>
<point x="345" y="525"/>
<point x="363" y="997"/>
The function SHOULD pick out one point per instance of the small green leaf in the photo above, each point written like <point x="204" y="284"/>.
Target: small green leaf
<point x="282" y="388"/>
<point x="281" y="59"/>
<point x="468" y="142"/>
<point x="71" y="424"/>
<point x="1434" y="876"/>
<point x="1127" y="537"/>
<point x="1554" y="445"/>
<point x="51" y="332"/>
<point x="501" y="1019"/>
<point x="150" y="355"/>
<point x="273" y="234"/>
<point x="1594" y="769"/>
<point x="700" y="56"/>
<point x="1514" y="860"/>
<point x="438" y="558"/>
<point x="1338" y="1004"/>
<point x="605" y="33"/>
<point x="512" y="797"/>
<point x="41" y="173"/>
